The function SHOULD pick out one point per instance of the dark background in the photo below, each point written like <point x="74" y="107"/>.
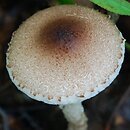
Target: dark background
<point x="110" y="110"/>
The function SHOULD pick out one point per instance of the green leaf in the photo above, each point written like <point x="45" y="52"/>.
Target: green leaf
<point x="66" y="1"/>
<point x="121" y="7"/>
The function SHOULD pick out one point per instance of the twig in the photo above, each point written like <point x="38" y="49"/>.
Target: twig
<point x="27" y="108"/>
<point x="30" y="120"/>
<point x="5" y="119"/>
<point x="114" y="17"/>
<point x="121" y="116"/>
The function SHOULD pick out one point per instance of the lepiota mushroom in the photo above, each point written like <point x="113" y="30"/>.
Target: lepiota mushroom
<point x="64" y="55"/>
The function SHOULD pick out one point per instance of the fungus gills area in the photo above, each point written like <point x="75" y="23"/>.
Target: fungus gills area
<point x="63" y="35"/>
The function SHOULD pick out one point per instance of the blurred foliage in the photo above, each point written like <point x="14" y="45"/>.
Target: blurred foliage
<point x="66" y="1"/>
<point x="127" y="46"/>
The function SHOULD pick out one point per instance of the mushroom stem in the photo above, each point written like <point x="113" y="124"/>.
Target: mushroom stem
<point x="74" y="113"/>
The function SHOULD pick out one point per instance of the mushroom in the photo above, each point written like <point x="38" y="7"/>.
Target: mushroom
<point x="64" y="55"/>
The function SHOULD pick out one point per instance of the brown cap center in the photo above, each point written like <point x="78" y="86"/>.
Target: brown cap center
<point x="63" y="34"/>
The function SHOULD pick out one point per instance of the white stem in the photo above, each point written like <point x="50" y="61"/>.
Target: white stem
<point x="74" y="113"/>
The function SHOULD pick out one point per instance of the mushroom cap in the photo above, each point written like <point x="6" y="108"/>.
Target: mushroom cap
<point x="65" y="54"/>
